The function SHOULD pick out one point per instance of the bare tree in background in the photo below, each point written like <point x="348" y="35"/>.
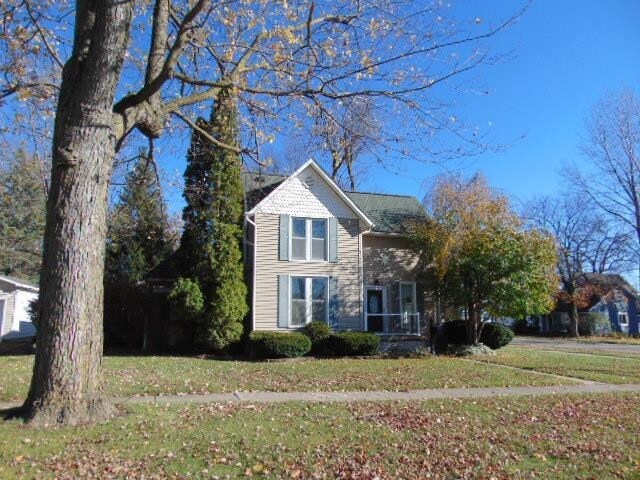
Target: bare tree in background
<point x="586" y="242"/>
<point x="346" y="135"/>
<point x="114" y="79"/>
<point x="612" y="147"/>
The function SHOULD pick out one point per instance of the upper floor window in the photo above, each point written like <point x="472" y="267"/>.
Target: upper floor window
<point x="308" y="239"/>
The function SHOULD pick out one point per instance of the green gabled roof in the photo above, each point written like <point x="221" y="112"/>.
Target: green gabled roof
<point x="389" y="213"/>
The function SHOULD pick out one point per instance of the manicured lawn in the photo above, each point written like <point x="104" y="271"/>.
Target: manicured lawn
<point x="607" y="369"/>
<point x="559" y="437"/>
<point x="582" y="351"/>
<point x="622" y="340"/>
<point x="158" y="375"/>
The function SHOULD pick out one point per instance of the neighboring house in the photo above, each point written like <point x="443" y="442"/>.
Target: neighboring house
<point x="615" y="298"/>
<point x="15" y="297"/>
<point x="316" y="252"/>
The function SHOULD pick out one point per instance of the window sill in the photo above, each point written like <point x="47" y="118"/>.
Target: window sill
<point x="307" y="261"/>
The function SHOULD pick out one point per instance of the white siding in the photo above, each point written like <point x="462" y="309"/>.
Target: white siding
<point x="16" y="322"/>
<point x="21" y="315"/>
<point x="306" y="195"/>
<point x="7" y="321"/>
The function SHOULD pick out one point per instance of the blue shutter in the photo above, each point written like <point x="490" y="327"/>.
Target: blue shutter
<point x="334" y="303"/>
<point x="283" y="301"/>
<point x="284" y="237"/>
<point x="333" y="240"/>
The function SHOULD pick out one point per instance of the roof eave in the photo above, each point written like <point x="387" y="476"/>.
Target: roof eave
<point x="328" y="180"/>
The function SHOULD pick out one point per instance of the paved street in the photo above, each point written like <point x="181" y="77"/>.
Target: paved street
<point x="566" y="344"/>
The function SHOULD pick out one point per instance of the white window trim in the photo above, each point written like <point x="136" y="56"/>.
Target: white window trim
<point x="626" y="316"/>
<point x="308" y="300"/>
<point x="308" y="239"/>
<point x="415" y="297"/>
<point x="381" y="288"/>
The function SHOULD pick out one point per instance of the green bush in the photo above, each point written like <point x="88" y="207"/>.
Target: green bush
<point x="352" y="344"/>
<point x="455" y="332"/>
<point x="186" y="299"/>
<point x="278" y="344"/>
<point x="316" y="331"/>
<point x="496" y="336"/>
<point x="594" y="323"/>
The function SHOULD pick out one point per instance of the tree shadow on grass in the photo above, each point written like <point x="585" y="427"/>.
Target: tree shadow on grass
<point x="13" y="413"/>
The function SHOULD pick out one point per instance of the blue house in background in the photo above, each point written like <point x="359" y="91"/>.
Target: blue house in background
<point x="616" y="299"/>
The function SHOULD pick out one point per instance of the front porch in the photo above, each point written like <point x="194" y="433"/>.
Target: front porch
<point x="395" y="324"/>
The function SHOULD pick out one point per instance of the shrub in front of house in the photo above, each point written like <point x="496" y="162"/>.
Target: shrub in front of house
<point x="455" y="332"/>
<point x="317" y="332"/>
<point x="345" y="344"/>
<point x="278" y="344"/>
<point x="594" y="323"/>
<point x="521" y="327"/>
<point x="496" y="336"/>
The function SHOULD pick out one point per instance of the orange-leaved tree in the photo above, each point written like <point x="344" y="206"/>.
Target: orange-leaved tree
<point x="477" y="257"/>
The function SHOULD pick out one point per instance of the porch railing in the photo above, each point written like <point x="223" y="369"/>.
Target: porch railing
<point x="394" y="323"/>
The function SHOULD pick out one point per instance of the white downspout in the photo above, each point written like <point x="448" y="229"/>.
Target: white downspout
<point x="253" y="276"/>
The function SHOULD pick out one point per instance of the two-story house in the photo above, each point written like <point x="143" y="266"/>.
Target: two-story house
<point x="316" y="252"/>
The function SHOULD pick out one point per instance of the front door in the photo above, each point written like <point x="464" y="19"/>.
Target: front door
<point x="374" y="309"/>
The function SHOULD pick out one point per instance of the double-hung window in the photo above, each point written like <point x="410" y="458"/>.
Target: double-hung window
<point x="309" y="239"/>
<point x="309" y="300"/>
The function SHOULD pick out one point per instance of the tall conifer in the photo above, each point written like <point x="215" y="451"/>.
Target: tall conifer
<point x="211" y="248"/>
<point x="22" y="217"/>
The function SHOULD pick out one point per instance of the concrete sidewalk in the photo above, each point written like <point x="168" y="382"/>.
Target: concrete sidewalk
<point x="376" y="396"/>
<point x="368" y="396"/>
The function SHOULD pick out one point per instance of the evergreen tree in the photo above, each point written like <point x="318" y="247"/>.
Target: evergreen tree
<point x="138" y="237"/>
<point x="138" y="240"/>
<point x="22" y="217"/>
<point x="212" y="238"/>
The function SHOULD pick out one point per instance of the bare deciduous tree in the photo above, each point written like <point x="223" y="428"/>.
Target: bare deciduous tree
<point x="586" y="242"/>
<point x="612" y="147"/>
<point x="281" y="58"/>
<point x="346" y="135"/>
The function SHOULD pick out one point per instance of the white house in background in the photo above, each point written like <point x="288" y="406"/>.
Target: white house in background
<point x="15" y="297"/>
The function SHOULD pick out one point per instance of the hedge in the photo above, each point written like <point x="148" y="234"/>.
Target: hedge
<point x="345" y="344"/>
<point x="317" y="332"/>
<point x="278" y="344"/>
<point x="496" y="336"/>
<point x="455" y="332"/>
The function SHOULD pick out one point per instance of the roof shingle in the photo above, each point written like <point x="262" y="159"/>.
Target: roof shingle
<point x="389" y="213"/>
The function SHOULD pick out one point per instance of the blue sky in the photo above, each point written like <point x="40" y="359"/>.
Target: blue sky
<point x="568" y="55"/>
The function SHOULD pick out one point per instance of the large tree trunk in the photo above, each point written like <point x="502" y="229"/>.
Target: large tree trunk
<point x="473" y="324"/>
<point x="573" y="320"/>
<point x="65" y="387"/>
